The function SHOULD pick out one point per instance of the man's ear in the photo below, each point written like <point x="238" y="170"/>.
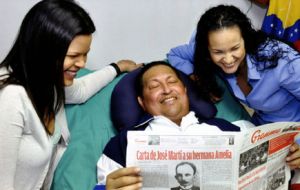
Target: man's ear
<point x="140" y="100"/>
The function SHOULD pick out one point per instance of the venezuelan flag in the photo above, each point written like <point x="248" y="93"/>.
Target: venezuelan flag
<point x="283" y="20"/>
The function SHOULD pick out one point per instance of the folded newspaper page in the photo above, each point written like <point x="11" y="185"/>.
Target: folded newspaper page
<point x="252" y="159"/>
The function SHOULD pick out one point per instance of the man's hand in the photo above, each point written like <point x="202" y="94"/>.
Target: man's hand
<point x="124" y="179"/>
<point x="293" y="158"/>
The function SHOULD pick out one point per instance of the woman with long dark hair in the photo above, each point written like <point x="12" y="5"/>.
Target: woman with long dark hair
<point x="263" y="72"/>
<point x="37" y="78"/>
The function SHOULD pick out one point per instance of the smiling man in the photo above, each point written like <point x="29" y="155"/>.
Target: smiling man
<point x="163" y="96"/>
<point x="161" y="92"/>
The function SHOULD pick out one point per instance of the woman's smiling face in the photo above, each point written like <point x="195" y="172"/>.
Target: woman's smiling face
<point x="76" y="57"/>
<point x="227" y="49"/>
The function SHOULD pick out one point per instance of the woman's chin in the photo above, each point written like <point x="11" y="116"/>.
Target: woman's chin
<point x="230" y="70"/>
<point x="68" y="82"/>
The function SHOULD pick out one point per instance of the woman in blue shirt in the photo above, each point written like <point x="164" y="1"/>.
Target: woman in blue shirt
<point x="262" y="72"/>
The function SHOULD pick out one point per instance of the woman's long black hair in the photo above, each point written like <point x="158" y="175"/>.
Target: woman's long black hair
<point x="37" y="56"/>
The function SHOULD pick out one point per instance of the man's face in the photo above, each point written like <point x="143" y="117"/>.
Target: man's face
<point x="185" y="175"/>
<point x="164" y="94"/>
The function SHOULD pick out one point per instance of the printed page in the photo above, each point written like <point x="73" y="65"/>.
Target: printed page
<point x="162" y="156"/>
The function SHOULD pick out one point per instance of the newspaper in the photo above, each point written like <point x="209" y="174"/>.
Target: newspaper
<point x="252" y="159"/>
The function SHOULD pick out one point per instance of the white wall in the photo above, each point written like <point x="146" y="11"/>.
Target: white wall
<point x="142" y="30"/>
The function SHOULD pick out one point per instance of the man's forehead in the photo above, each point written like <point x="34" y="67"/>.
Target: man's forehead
<point x="184" y="167"/>
<point x="159" y="71"/>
